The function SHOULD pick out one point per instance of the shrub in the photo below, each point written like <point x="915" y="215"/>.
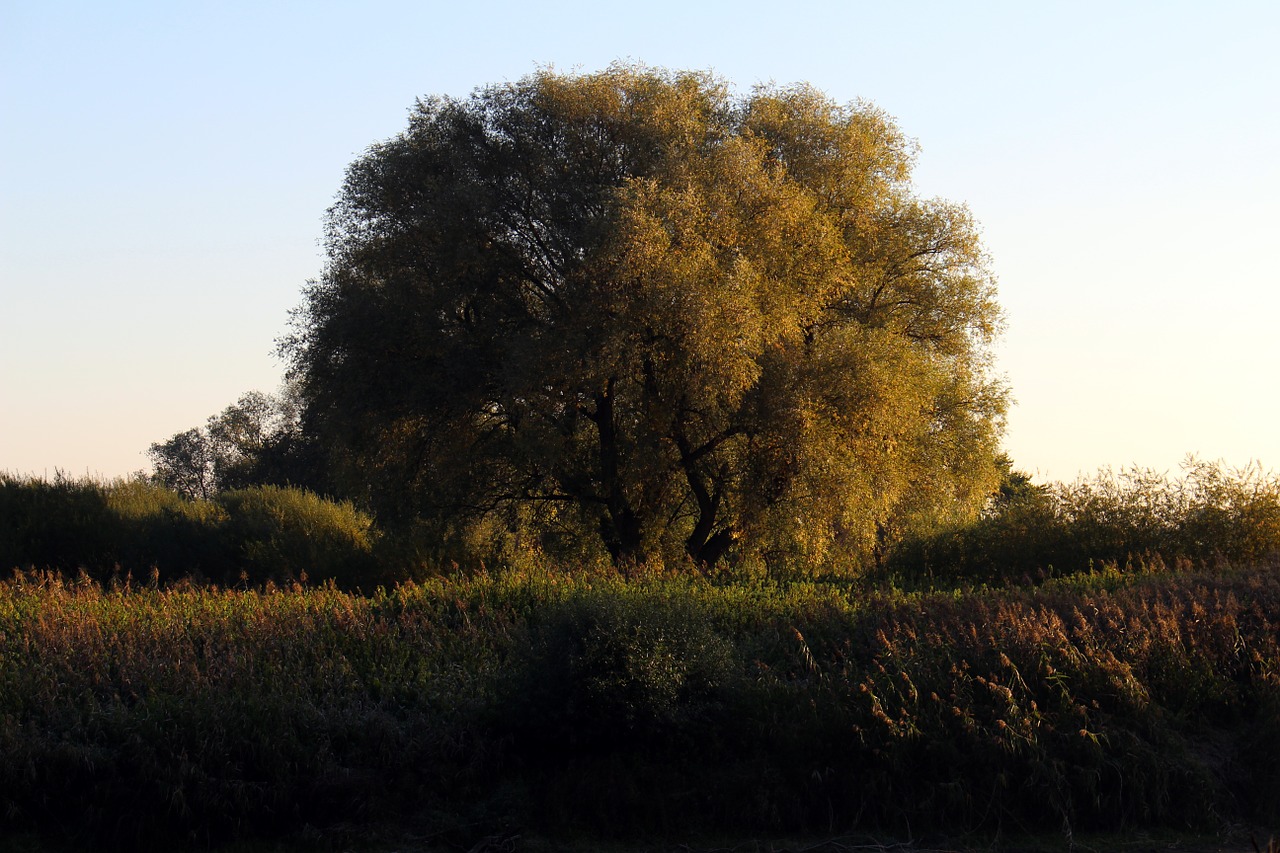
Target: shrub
<point x="619" y="667"/>
<point x="286" y="534"/>
<point x="64" y="524"/>
<point x="144" y="530"/>
<point x="160" y="533"/>
<point x="1232" y="515"/>
<point x="1210" y="515"/>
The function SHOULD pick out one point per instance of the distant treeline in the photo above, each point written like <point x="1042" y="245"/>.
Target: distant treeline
<point x="1206" y="516"/>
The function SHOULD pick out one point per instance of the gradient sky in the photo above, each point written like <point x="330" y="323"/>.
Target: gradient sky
<point x="165" y="167"/>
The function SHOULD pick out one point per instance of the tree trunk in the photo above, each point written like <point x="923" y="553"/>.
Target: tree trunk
<point x="703" y="546"/>
<point x="621" y="527"/>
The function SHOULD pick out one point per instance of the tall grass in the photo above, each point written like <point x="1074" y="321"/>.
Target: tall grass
<point x="141" y="716"/>
<point x="556" y="701"/>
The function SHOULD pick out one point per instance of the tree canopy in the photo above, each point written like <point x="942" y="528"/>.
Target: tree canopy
<point x="632" y="310"/>
<point x="255" y="441"/>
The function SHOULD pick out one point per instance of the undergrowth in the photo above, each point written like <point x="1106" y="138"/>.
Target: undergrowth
<point x="1207" y="515"/>
<point x="137" y="528"/>
<point x="586" y="702"/>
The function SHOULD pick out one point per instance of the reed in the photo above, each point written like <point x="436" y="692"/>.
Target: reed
<point x="583" y="701"/>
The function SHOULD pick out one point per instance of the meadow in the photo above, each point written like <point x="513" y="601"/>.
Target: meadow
<point x="151" y="710"/>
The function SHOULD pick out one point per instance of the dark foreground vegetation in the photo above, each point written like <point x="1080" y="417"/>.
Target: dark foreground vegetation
<point x="994" y="679"/>
<point x="664" y="706"/>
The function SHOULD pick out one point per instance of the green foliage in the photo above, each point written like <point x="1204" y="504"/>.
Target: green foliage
<point x="629" y="312"/>
<point x="616" y="668"/>
<point x="185" y="464"/>
<point x="1232" y="515"/>
<point x="160" y="531"/>
<point x="60" y="524"/>
<point x="1209" y="515"/>
<point x="140" y="528"/>
<point x="257" y="440"/>
<point x="285" y="535"/>
<point x="142" y="719"/>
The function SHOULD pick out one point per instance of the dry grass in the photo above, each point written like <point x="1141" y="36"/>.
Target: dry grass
<point x="589" y="703"/>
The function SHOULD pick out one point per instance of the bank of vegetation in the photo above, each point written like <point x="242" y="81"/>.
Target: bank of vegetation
<point x="966" y="685"/>
<point x="665" y="433"/>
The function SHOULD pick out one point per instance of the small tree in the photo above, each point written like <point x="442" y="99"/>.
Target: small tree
<point x="257" y="440"/>
<point x="185" y="463"/>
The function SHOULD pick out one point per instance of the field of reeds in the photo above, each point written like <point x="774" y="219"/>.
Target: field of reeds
<point x="588" y="704"/>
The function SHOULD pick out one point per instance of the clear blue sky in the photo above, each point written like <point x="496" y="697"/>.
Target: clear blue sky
<point x="165" y="167"/>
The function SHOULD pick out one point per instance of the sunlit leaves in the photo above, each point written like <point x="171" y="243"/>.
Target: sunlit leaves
<point x="704" y="322"/>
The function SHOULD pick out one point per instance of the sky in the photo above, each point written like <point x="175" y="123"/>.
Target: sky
<point x="165" y="168"/>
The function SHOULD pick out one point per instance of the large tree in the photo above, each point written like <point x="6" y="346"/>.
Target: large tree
<point x="629" y="305"/>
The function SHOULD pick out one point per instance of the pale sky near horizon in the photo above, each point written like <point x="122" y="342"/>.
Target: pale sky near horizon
<point x="165" y="168"/>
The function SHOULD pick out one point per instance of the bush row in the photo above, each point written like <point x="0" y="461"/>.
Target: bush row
<point x="562" y="703"/>
<point x="1209" y="515"/>
<point x="134" y="527"/>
